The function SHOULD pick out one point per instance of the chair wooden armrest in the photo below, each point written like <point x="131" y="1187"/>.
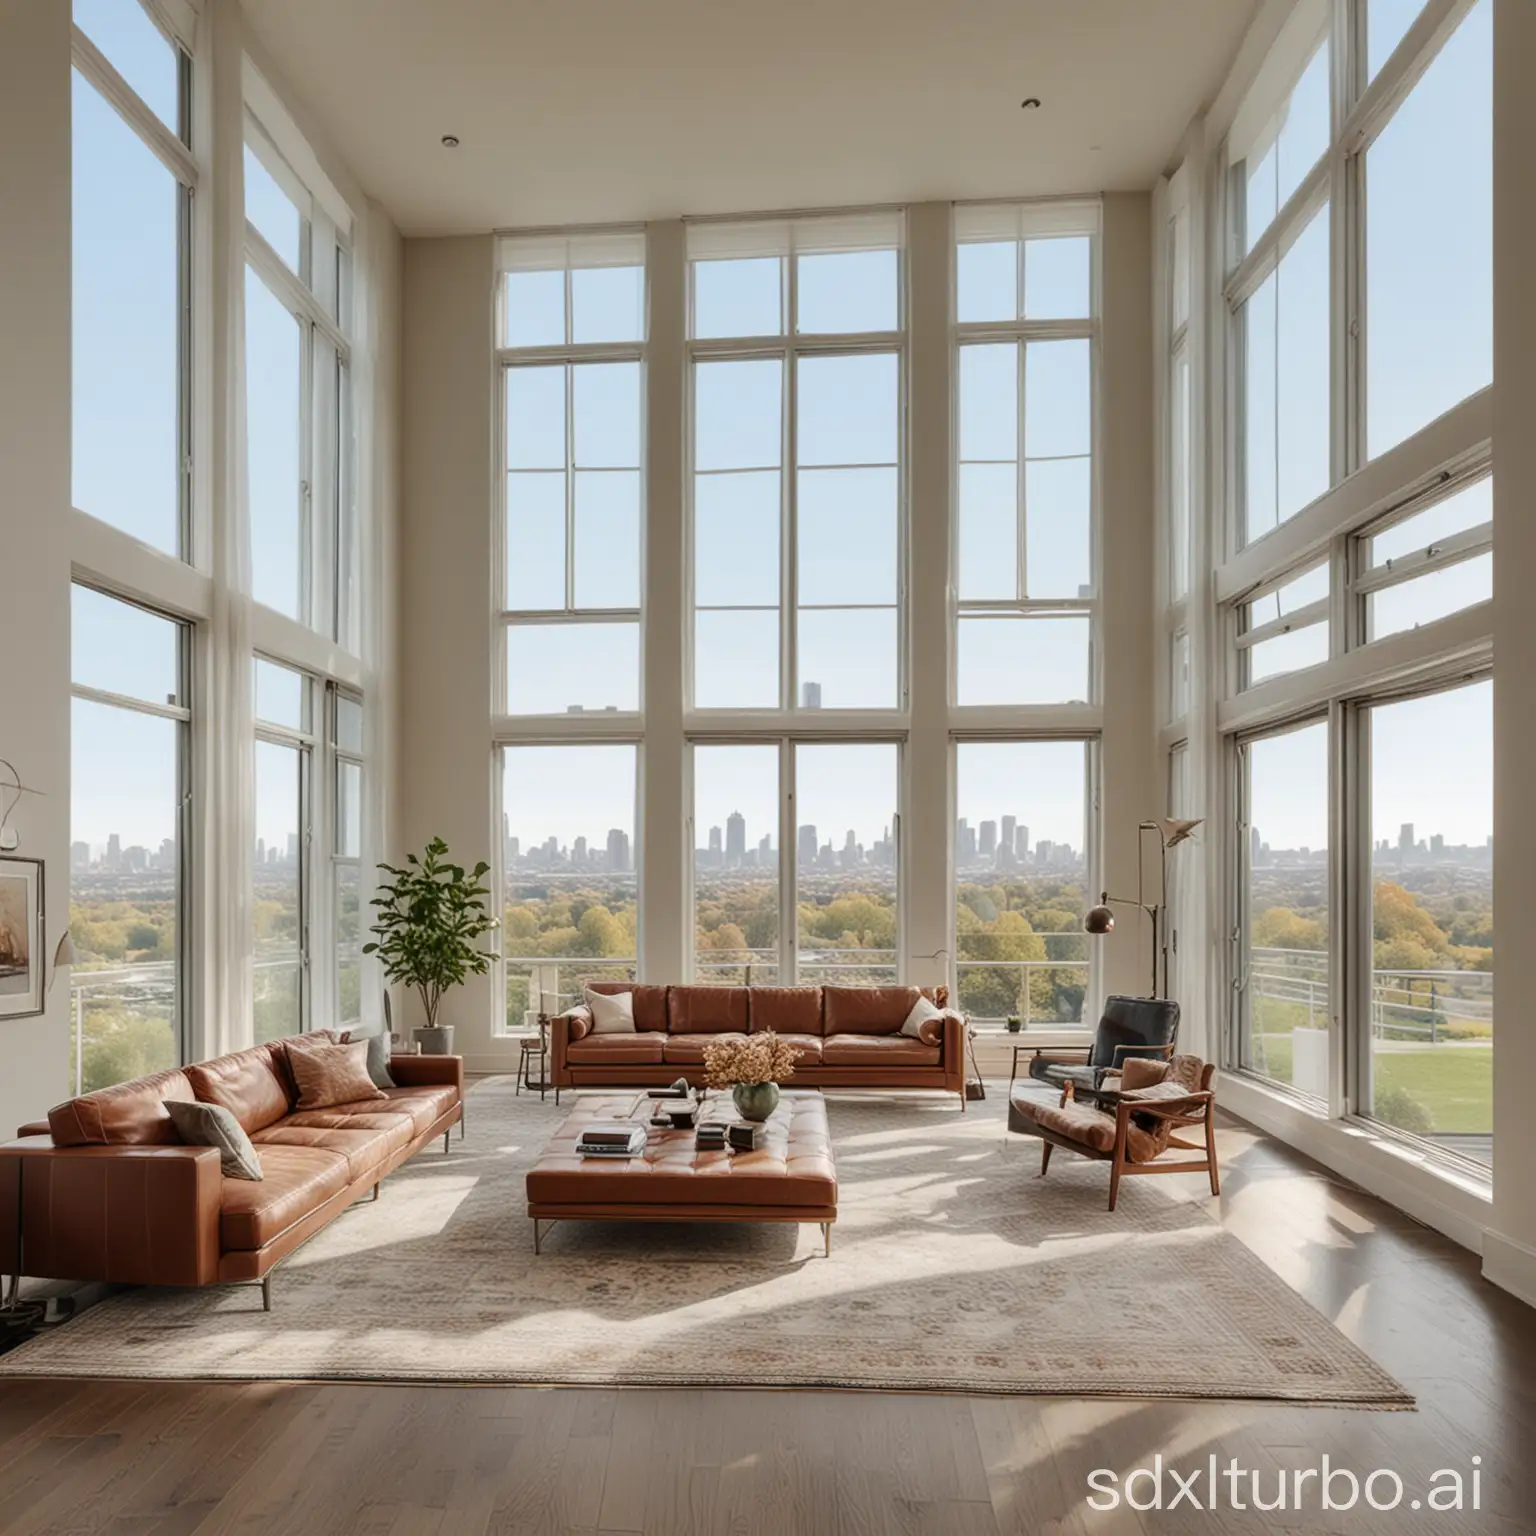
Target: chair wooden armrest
<point x="1176" y="1110"/>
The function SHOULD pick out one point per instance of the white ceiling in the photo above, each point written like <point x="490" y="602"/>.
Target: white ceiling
<point x="573" y="111"/>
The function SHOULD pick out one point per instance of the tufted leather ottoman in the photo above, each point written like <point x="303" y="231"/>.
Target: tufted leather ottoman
<point x="792" y="1178"/>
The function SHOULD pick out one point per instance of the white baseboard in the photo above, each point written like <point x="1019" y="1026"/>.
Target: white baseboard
<point x="1387" y="1168"/>
<point x="1510" y="1265"/>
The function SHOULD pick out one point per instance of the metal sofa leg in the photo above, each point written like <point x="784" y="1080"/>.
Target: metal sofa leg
<point x="266" y="1291"/>
<point x="1045" y="1157"/>
<point x="376" y="1188"/>
<point x="446" y="1135"/>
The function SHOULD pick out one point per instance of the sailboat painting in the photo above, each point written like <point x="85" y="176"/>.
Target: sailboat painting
<point x="21" y="937"/>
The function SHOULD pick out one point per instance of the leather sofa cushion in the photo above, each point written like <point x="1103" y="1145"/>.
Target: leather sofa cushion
<point x="787" y="1010"/>
<point x="866" y="1010"/>
<point x="618" y="1050"/>
<point x="650" y="1002"/>
<point x="877" y="1051"/>
<point x="363" y="1149"/>
<point x="128" y="1115"/>
<point x="295" y="1181"/>
<point x="688" y="1050"/>
<point x="398" y="1129"/>
<point x="707" y="1010"/>
<point x="426" y="1103"/>
<point x="251" y="1084"/>
<point x="809" y="1049"/>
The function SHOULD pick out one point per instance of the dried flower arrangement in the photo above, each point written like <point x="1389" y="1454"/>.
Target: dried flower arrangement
<point x="764" y="1058"/>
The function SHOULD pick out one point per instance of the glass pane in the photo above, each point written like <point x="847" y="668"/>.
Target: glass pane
<point x="1179" y="525"/>
<point x="565" y="669"/>
<point x="608" y="538"/>
<point x="736" y="864"/>
<point x="122" y="649"/>
<point x="738" y="410"/>
<point x="1011" y="659"/>
<point x="349" y="810"/>
<point x="277" y="873"/>
<point x="1179" y="276"/>
<point x="568" y="861"/>
<point x="848" y="409"/>
<point x="273" y="369"/>
<point x="1178" y="692"/>
<point x="987" y="281"/>
<point x="1429" y="280"/>
<point x="1022" y="880"/>
<point x="1290" y="652"/>
<point x="1058" y="399"/>
<point x="535" y="309"/>
<point x="736" y="659"/>
<point x="139" y="51"/>
<point x="349" y="724"/>
<point x="846" y="796"/>
<point x="848" y="535"/>
<point x="847" y="291"/>
<point x="1430" y="597"/>
<point x="606" y="400"/>
<point x="736" y="538"/>
<point x="536" y="539"/>
<point x="738" y="298"/>
<point x="848" y="658"/>
<point x="1431" y="1022"/>
<point x="1295" y="140"/>
<point x="1386" y="23"/>
<point x="607" y="304"/>
<point x="1058" y="278"/>
<point x="1285" y="1034"/>
<point x="1300" y="592"/>
<point x="989" y="531"/>
<point x="1468" y="508"/>
<point x="272" y="211"/>
<point x="124" y="351"/>
<point x="349" y="957"/>
<point x="124" y="894"/>
<point x="349" y="541"/>
<point x="1058" y="503"/>
<point x="281" y="695"/>
<point x="989" y="401"/>
<point x="1287" y="384"/>
<point x="536" y="417"/>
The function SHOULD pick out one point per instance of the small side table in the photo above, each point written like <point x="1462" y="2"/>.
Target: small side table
<point x="535" y="1049"/>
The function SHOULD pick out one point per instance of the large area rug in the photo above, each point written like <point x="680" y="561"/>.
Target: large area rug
<point x="954" y="1267"/>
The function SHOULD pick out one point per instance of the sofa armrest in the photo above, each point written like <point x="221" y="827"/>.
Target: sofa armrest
<point x="428" y="1072"/>
<point x="35" y="1128"/>
<point x="952" y="1051"/>
<point x="132" y="1215"/>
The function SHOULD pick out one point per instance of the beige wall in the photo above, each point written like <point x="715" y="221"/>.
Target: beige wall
<point x="447" y="786"/>
<point x="1509" y="1250"/>
<point x="35" y="501"/>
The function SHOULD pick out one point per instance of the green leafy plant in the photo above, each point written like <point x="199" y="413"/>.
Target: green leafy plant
<point x="431" y="913"/>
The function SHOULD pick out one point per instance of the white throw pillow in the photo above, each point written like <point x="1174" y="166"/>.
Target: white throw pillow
<point x="922" y="1011"/>
<point x="611" y="1015"/>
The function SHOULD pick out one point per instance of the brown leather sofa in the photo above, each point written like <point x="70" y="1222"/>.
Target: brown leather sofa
<point x="845" y="1037"/>
<point x="108" y="1191"/>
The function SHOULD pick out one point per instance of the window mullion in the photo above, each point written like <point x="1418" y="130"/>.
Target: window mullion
<point x="1020" y="470"/>
<point x="569" y="381"/>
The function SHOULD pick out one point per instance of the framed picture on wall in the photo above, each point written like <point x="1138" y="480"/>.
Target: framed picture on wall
<point x="22" y="960"/>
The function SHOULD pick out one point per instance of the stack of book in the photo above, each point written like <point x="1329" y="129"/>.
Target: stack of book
<point x="735" y="1135"/>
<point x="611" y="1139"/>
<point x="710" y="1136"/>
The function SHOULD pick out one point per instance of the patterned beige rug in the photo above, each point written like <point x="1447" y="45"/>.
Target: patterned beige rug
<point x="954" y="1267"/>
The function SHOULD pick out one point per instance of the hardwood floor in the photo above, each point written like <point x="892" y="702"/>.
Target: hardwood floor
<point x="157" y="1459"/>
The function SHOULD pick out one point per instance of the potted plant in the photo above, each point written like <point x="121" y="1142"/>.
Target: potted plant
<point x="1015" y="1023"/>
<point x="431" y="915"/>
<point x="752" y="1067"/>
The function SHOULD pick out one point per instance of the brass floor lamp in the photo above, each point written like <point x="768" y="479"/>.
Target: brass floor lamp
<point x="1171" y="831"/>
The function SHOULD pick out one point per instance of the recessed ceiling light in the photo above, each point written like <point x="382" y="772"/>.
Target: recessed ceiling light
<point x="450" y="141"/>
<point x="1030" y="103"/>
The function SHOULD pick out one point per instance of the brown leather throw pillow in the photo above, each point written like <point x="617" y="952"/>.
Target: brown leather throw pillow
<point x="333" y="1074"/>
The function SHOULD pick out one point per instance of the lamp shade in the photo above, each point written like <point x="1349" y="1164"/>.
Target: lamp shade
<point x="1176" y="829"/>
<point x="65" y="953"/>
<point x="1099" y="920"/>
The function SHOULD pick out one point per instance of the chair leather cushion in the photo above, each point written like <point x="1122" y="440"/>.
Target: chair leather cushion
<point x="617" y="1050"/>
<point x="650" y="1002"/>
<point x="688" y="1050"/>
<point x="1059" y="1073"/>
<point x="787" y="1010"/>
<point x="855" y="1050"/>
<point x="363" y="1149"/>
<point x="127" y="1115"/>
<point x="707" y="1010"/>
<point x="295" y="1180"/>
<point x="251" y="1084"/>
<point x="866" y="1010"/>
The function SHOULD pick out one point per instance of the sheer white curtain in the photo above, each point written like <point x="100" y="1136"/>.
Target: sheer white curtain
<point x="228" y="816"/>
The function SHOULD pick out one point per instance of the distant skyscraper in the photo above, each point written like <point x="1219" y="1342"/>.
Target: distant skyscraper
<point x="962" y="828"/>
<point x="114" y="851"/>
<point x="293" y="847"/>
<point x="1255" y="843"/>
<point x="579" y="851"/>
<point x="735" y="838"/>
<point x="806" y="845"/>
<point x="850" y="856"/>
<point x="618" y="849"/>
<point x="514" y="849"/>
<point x="167" y="853"/>
<point x="765" y="849"/>
<point x="810" y="696"/>
<point x="987" y="847"/>
<point x="1043" y="850"/>
<point x="967" y="849"/>
<point x="1005" y="842"/>
<point x="1405" y="839"/>
<point x="1021" y="843"/>
<point x="714" y="840"/>
<point x="261" y="850"/>
<point x="79" y="855"/>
